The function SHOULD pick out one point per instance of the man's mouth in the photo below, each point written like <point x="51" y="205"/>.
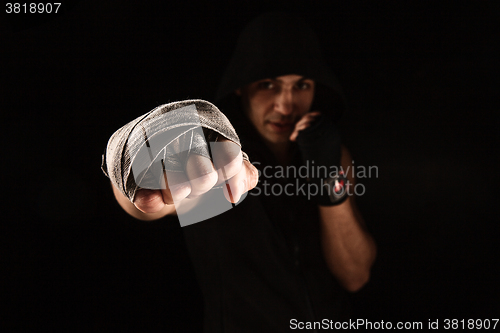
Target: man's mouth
<point x="281" y="126"/>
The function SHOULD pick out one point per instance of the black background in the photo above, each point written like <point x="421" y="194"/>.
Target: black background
<point x="420" y="79"/>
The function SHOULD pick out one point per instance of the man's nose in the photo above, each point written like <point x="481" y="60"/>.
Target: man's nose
<point x="284" y="102"/>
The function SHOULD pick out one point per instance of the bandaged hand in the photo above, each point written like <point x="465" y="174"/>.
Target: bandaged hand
<point x="177" y="151"/>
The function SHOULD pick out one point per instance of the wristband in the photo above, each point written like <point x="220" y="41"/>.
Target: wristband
<point x="336" y="187"/>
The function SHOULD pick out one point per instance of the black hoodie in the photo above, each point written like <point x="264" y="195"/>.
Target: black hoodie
<point x="272" y="45"/>
<point x="260" y="265"/>
<point x="276" y="44"/>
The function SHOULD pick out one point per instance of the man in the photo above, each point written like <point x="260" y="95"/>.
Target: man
<point x="288" y="255"/>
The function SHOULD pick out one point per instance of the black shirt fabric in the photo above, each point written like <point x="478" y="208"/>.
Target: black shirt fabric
<point x="260" y="265"/>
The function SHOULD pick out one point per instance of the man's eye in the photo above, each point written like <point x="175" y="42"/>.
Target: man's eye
<point x="303" y="85"/>
<point x="265" y="85"/>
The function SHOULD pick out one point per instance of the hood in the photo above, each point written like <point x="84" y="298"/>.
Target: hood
<point x="276" y="44"/>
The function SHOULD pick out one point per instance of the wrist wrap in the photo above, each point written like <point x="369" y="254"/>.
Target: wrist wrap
<point x="319" y="145"/>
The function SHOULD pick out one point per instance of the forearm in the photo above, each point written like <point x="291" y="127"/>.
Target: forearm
<point x="348" y="248"/>
<point x="132" y="210"/>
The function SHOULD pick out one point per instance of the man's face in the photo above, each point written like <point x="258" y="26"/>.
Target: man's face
<point x="275" y="105"/>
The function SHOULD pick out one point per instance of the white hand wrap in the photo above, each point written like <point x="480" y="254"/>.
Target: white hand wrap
<point x="160" y="141"/>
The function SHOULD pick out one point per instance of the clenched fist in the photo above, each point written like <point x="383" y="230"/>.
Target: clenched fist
<point x="227" y="169"/>
<point x="174" y="155"/>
